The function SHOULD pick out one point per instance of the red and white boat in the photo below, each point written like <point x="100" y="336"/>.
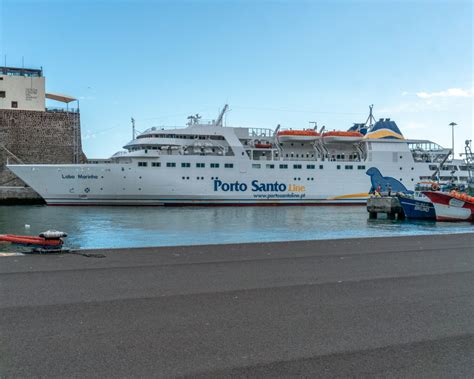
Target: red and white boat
<point x="452" y="206"/>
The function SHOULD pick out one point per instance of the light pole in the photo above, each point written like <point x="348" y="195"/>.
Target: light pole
<point x="452" y="125"/>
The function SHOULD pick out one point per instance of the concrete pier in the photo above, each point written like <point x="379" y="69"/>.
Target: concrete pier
<point x="389" y="205"/>
<point x="378" y="307"/>
<point x="16" y="195"/>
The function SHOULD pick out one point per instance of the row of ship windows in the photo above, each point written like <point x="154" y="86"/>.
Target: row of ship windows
<point x="448" y="168"/>
<point x="255" y="165"/>
<point x="182" y="136"/>
<point x="173" y="164"/>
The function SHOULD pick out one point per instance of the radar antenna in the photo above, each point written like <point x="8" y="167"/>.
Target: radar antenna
<point x="194" y="119"/>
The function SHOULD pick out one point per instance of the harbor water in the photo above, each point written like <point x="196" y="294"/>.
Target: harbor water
<point x="119" y="227"/>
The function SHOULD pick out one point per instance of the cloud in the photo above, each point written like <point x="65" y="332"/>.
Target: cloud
<point x="414" y="125"/>
<point x="89" y="134"/>
<point x="451" y="92"/>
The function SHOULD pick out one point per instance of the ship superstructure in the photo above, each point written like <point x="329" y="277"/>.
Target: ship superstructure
<point x="209" y="163"/>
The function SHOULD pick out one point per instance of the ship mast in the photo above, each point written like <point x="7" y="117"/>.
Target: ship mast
<point x="371" y="119"/>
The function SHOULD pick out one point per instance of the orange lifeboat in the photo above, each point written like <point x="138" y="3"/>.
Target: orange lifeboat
<point x="341" y="136"/>
<point x="298" y="135"/>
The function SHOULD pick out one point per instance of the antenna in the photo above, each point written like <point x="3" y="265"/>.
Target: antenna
<point x="315" y="124"/>
<point x="371" y="118"/>
<point x="133" y="128"/>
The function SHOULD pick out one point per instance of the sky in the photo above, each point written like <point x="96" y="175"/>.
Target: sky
<point x="273" y="62"/>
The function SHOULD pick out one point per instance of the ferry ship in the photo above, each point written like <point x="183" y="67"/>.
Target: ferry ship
<point x="207" y="163"/>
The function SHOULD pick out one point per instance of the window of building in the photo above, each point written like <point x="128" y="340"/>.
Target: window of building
<point x="170" y="164"/>
<point x="214" y="165"/>
<point x="297" y="166"/>
<point x="338" y="167"/>
<point x="283" y="166"/>
<point x="184" y="164"/>
<point x="321" y="166"/>
<point x="270" y="166"/>
<point x="142" y="164"/>
<point x="349" y="167"/>
<point x="256" y="165"/>
<point x="228" y="165"/>
<point x="14" y="104"/>
<point x="311" y="167"/>
<point x="361" y="167"/>
<point x="200" y="165"/>
<point x="155" y="164"/>
<point x="3" y="94"/>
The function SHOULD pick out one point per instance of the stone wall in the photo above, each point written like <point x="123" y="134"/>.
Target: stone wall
<point x="37" y="137"/>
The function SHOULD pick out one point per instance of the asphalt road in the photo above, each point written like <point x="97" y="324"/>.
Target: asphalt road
<point x="381" y="307"/>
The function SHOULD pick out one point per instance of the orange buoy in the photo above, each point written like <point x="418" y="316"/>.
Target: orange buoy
<point x="29" y="240"/>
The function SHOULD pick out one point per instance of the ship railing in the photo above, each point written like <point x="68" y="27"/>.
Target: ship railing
<point x="260" y="132"/>
<point x="297" y="159"/>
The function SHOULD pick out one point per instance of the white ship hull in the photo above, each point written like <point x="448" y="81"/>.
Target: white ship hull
<point x="126" y="184"/>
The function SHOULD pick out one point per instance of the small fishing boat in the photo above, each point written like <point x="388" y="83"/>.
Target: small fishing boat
<point x="452" y="206"/>
<point x="305" y="135"/>
<point x="341" y="136"/>
<point x="417" y="207"/>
